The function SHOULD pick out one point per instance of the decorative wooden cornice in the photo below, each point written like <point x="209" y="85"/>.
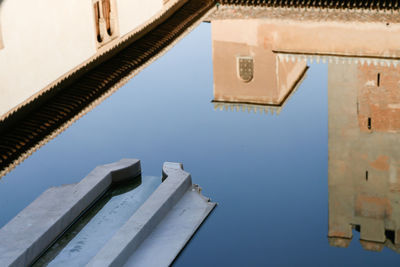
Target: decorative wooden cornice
<point x="62" y="107"/>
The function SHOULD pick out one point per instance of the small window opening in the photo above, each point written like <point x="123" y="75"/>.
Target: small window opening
<point x="369" y="123"/>
<point x="358" y="107"/>
<point x="107" y="15"/>
<point x="97" y="15"/>
<point x="378" y="80"/>
<point x="366" y="176"/>
<point x="390" y="235"/>
<point x="356" y="227"/>
<point x="105" y="20"/>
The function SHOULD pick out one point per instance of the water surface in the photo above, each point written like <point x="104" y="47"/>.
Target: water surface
<point x="268" y="173"/>
<point x="85" y="238"/>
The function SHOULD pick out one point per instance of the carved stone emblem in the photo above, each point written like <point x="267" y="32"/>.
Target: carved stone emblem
<point x="245" y="68"/>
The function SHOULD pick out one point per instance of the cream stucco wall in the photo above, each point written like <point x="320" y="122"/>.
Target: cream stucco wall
<point x="132" y="13"/>
<point x="43" y="39"/>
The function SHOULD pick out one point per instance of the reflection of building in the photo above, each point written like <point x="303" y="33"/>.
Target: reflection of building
<point x="260" y="60"/>
<point x="259" y="54"/>
<point x="317" y="32"/>
<point x="245" y="68"/>
<point x="364" y="159"/>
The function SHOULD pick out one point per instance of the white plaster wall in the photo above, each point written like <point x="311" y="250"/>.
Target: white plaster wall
<point x="241" y="31"/>
<point x="133" y="13"/>
<point x="43" y="39"/>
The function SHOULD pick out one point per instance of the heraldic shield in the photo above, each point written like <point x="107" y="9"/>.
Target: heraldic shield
<point x="245" y="68"/>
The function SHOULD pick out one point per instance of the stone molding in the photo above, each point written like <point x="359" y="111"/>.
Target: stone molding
<point x="36" y="227"/>
<point x="165" y="222"/>
<point x="159" y="224"/>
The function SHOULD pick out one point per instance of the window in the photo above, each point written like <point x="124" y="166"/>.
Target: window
<point x="105" y="21"/>
<point x="245" y="68"/>
<point x="378" y="79"/>
<point x="107" y="15"/>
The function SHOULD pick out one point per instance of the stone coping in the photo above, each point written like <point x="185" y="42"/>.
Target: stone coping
<point x="165" y="222"/>
<point x="158" y="227"/>
<point x="36" y="227"/>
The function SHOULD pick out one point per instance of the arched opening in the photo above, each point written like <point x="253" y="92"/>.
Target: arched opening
<point x="105" y="20"/>
<point x="97" y="15"/>
<point x="107" y="15"/>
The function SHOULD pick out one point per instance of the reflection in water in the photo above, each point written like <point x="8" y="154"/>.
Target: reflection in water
<point x="257" y="65"/>
<point x="364" y="159"/>
<point x="364" y="111"/>
<point x="316" y="32"/>
<point x="247" y="73"/>
<point x="37" y="120"/>
<point x="89" y="234"/>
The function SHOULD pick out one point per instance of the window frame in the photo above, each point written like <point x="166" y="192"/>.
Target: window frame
<point x="106" y="26"/>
